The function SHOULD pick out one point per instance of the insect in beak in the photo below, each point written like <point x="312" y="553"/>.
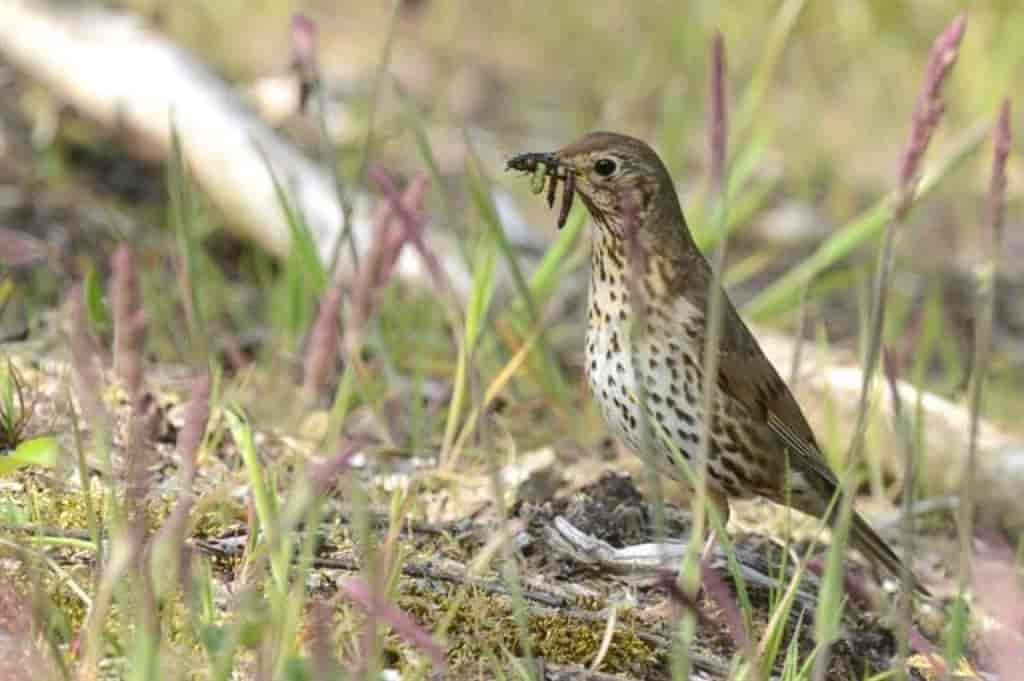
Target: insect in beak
<point x="548" y="169"/>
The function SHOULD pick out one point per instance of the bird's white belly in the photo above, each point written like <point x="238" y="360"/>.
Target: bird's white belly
<point x="672" y="390"/>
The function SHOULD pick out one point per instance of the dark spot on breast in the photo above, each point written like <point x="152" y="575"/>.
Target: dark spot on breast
<point x="684" y="437"/>
<point x="729" y="463"/>
<point x="732" y="433"/>
<point x="684" y="416"/>
<point x="614" y="256"/>
<point x="731" y="488"/>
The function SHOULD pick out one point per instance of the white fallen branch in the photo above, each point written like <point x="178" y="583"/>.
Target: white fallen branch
<point x="647" y="561"/>
<point x="114" y="70"/>
<point x="832" y="375"/>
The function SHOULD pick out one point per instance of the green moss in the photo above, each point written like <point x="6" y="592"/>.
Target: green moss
<point x="50" y="507"/>
<point x="485" y="624"/>
<point x="565" y="640"/>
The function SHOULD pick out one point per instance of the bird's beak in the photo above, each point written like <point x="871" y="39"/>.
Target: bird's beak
<point x="528" y="162"/>
<point x="549" y="169"/>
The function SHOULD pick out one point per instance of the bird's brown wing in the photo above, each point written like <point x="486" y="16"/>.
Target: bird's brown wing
<point x="746" y="374"/>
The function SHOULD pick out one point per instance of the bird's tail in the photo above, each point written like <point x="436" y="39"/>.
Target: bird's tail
<point x="864" y="538"/>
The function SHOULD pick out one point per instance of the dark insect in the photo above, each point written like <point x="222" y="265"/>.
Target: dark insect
<point x="546" y="169"/>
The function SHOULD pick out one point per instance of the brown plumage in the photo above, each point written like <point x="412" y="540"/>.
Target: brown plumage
<point x="760" y="442"/>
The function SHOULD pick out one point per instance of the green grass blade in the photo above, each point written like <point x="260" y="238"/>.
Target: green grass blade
<point x="263" y="498"/>
<point x="305" y="275"/>
<point x="182" y="210"/>
<point x="753" y="95"/>
<point x="39" y="451"/>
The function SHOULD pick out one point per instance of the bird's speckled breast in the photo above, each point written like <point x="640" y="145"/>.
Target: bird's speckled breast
<point x="664" y="355"/>
<point x="618" y="356"/>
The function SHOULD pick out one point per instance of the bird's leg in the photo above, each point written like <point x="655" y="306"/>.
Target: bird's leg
<point x="709" y="546"/>
<point x="720" y="504"/>
<point x="720" y="507"/>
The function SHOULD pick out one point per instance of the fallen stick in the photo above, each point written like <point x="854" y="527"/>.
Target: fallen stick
<point x="834" y="375"/>
<point x="114" y="70"/>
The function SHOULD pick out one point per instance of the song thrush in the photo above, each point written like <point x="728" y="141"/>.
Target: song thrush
<point x="760" y="443"/>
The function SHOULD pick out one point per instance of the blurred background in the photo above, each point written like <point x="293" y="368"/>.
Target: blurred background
<point x="821" y="96"/>
<point x="443" y="372"/>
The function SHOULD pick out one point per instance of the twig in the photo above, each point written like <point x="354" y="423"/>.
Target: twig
<point x="129" y="322"/>
<point x="433" y="573"/>
<point x="985" y="306"/>
<point x="322" y="347"/>
<point x="926" y="118"/>
<point x="718" y="138"/>
<point x="905" y="431"/>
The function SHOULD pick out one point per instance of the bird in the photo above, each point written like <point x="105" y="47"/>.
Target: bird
<point x="647" y="312"/>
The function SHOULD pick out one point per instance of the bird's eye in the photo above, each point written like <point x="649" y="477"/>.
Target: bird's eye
<point x="604" y="167"/>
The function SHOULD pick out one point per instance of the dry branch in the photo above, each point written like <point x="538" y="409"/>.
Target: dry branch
<point x="113" y="69"/>
<point x="831" y="375"/>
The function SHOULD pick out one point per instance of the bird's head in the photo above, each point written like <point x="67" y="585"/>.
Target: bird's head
<point x="622" y="182"/>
